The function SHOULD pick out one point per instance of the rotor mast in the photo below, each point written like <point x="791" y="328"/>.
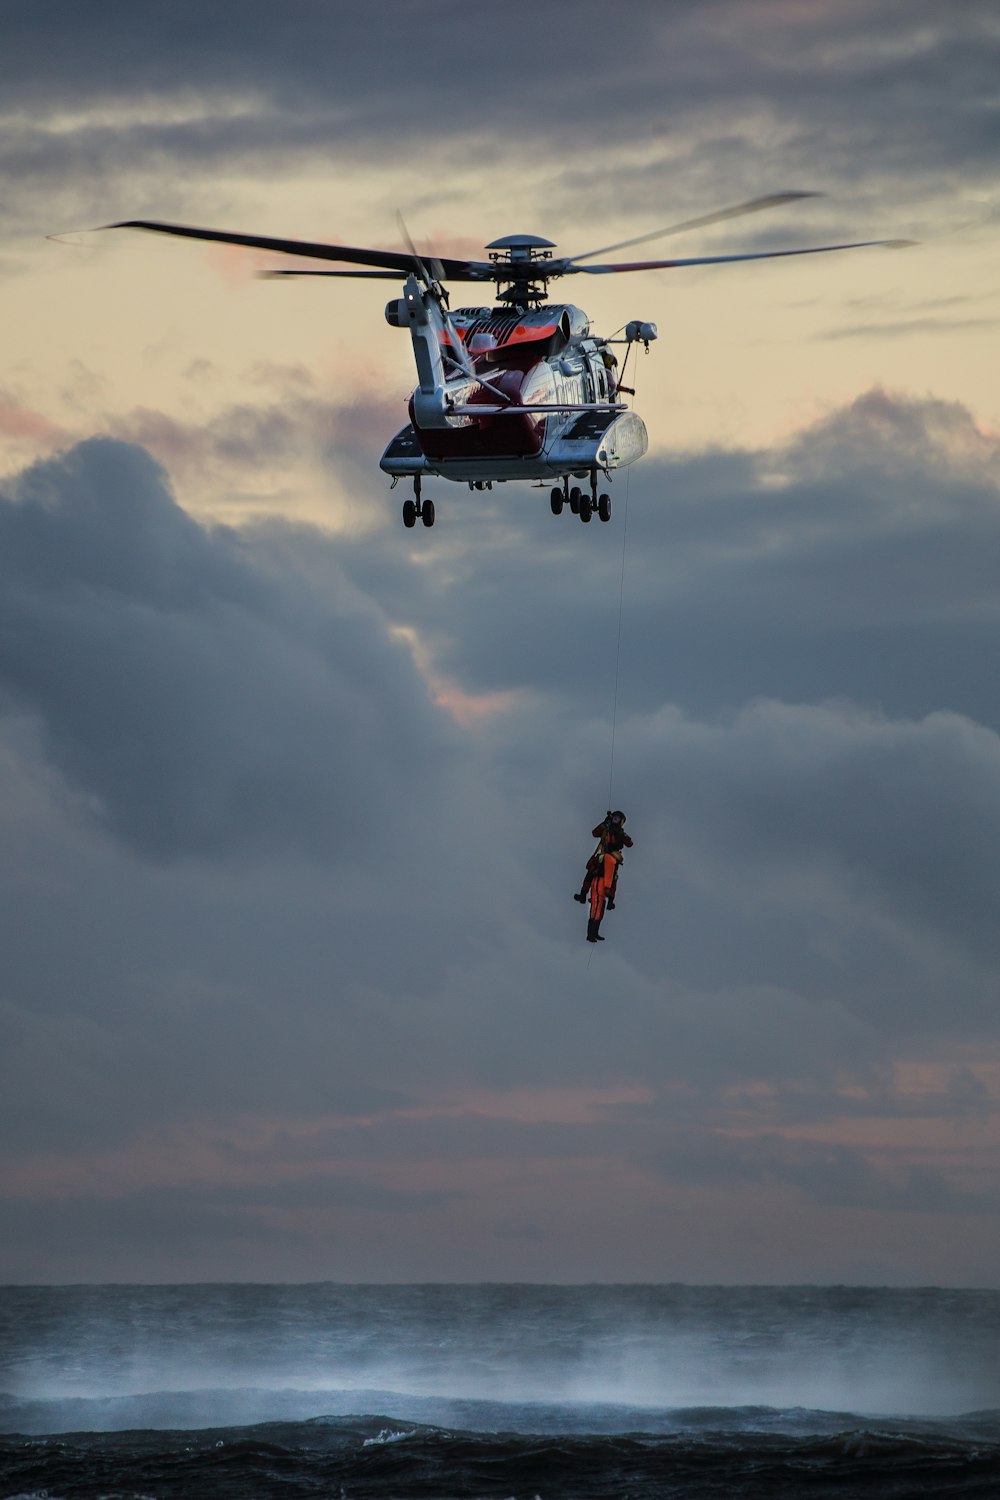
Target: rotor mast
<point x="518" y="262"/>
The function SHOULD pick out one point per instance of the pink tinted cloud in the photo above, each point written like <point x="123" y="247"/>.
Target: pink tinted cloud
<point x="21" y="423"/>
<point x="467" y="709"/>
<point x="238" y="264"/>
<point x="250" y="1150"/>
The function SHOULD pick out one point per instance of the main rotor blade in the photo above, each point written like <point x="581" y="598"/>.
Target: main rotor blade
<point x="371" y="275"/>
<point x="717" y="260"/>
<point x="752" y="206"/>
<point x="274" y="273"/>
<point x="437" y="271"/>
<point x="393" y="260"/>
<point x="432" y="281"/>
<point x="414" y="253"/>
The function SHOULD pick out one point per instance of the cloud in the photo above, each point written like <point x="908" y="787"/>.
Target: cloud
<point x="830" y="1175"/>
<point x="807" y="709"/>
<point x="251" y="439"/>
<point x="317" y="938"/>
<point x="887" y="103"/>
<point x="946" y="327"/>
<point x="908" y="812"/>
<point x="794" y="621"/>
<point x="20" y="422"/>
<point x="177" y="1233"/>
<point x="853" y="561"/>
<point x="200" y="708"/>
<point x="291" y="818"/>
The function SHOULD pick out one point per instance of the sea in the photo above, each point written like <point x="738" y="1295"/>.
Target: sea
<point x="338" y="1392"/>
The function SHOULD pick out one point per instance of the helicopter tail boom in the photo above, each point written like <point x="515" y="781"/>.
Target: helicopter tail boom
<point x="438" y="395"/>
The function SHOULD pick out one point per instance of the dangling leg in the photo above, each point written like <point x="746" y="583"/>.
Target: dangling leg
<point x="597" y="894"/>
<point x="598" y="900"/>
<point x="588" y="879"/>
<point x="614" y="887"/>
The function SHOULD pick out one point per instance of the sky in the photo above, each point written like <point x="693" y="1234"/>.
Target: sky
<point x="293" y="801"/>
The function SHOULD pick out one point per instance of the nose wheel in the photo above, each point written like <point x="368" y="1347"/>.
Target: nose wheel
<point x="416" y="508"/>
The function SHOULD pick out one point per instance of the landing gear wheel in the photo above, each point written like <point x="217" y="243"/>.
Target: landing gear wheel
<point x="556" y="501"/>
<point x="604" y="507"/>
<point x="574" y="500"/>
<point x="586" y="509"/>
<point x="409" y="513"/>
<point x="427" y="512"/>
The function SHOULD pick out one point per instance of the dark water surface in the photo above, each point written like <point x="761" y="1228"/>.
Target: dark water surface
<point x="631" y="1391"/>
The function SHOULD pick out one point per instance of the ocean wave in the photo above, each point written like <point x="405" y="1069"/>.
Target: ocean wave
<point x="388" y="1435"/>
<point x="367" y="1457"/>
<point x="401" y="1415"/>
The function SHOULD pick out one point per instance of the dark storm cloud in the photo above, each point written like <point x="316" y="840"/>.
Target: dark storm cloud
<point x="871" y="103"/>
<point x="327" y="1190"/>
<point x="202" y="709"/>
<point x="341" y="55"/>
<point x="808" y="710"/>
<point x="908" y="812"/>
<point x="274" y="432"/>
<point x="175" y="1227"/>
<point x="642" y="1014"/>
<point x="233" y="1201"/>
<point x="812" y="873"/>
<point x="856" y="562"/>
<point x="659" y="1131"/>
<point x="844" y="583"/>
<point x="831" y="1175"/>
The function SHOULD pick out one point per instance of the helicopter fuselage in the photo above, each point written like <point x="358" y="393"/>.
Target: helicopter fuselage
<point x="543" y="401"/>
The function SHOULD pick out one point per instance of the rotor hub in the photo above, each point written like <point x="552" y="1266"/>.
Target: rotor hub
<point x="519" y="268"/>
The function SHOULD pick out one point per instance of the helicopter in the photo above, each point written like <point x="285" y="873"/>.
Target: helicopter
<point x="522" y="389"/>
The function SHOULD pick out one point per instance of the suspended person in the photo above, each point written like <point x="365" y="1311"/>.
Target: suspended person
<point x="601" y="878"/>
<point x="612" y="838"/>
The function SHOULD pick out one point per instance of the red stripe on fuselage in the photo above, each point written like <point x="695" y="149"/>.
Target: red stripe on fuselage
<point x="490" y="436"/>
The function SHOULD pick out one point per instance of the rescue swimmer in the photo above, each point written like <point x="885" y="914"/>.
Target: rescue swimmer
<point x="601" y="877"/>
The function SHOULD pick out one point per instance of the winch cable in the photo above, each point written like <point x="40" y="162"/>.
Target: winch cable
<point x="618" y="649"/>
<point x="618" y="657"/>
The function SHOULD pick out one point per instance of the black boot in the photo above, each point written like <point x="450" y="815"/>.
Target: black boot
<point x="593" y="933"/>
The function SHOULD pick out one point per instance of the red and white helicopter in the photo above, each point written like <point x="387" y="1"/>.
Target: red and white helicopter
<point x="522" y="390"/>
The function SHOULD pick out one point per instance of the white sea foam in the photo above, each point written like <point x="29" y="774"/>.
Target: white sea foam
<point x="210" y="1356"/>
